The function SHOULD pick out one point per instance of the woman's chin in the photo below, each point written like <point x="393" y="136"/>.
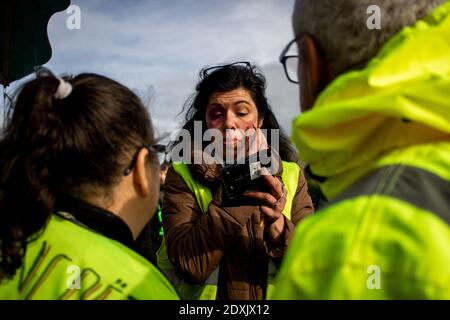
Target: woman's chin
<point x="230" y="143"/>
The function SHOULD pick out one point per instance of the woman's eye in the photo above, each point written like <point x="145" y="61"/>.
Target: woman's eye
<point x="242" y="114"/>
<point x="215" y="115"/>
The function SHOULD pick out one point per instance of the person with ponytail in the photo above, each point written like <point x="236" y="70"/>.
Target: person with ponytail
<point x="78" y="182"/>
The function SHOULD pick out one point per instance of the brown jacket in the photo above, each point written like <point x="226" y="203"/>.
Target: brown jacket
<point x="228" y="235"/>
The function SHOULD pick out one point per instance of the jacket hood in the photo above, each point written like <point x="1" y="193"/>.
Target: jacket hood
<point x="401" y="98"/>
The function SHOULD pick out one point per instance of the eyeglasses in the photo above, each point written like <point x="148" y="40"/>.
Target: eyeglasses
<point x="245" y="64"/>
<point x="290" y="63"/>
<point x="155" y="148"/>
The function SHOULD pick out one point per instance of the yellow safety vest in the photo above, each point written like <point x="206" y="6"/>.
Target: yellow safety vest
<point x="71" y="262"/>
<point x="208" y="289"/>
<point x="381" y="136"/>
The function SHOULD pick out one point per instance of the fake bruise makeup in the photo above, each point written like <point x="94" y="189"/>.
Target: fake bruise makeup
<point x="215" y="116"/>
<point x="232" y="112"/>
<point x="235" y="115"/>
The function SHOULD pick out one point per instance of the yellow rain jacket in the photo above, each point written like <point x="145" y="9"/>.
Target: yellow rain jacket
<point x="381" y="137"/>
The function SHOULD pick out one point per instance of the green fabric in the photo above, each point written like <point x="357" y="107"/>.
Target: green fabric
<point x="107" y="269"/>
<point x="290" y="176"/>
<point x="159" y="214"/>
<point x="394" y="112"/>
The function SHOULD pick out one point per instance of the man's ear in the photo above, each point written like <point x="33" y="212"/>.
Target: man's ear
<point x="315" y="72"/>
<point x="140" y="180"/>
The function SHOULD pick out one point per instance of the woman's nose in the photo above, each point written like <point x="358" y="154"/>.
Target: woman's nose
<point x="230" y="121"/>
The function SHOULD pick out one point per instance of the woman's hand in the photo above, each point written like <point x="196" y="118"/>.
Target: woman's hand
<point x="272" y="209"/>
<point x="255" y="140"/>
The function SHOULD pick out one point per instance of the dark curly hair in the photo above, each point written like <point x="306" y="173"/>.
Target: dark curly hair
<point x="229" y="77"/>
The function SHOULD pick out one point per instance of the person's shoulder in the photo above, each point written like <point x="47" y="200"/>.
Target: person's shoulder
<point x="404" y="241"/>
<point x="365" y="220"/>
<point x="291" y="173"/>
<point x="176" y="189"/>
<point x="174" y="178"/>
<point x="90" y="247"/>
<point x="290" y="166"/>
<point x="66" y="255"/>
<point x="349" y="242"/>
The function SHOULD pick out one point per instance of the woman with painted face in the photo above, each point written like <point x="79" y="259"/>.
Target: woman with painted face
<point x="78" y="178"/>
<point x="220" y="245"/>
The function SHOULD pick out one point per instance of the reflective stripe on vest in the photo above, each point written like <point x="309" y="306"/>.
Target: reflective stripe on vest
<point x="208" y="289"/>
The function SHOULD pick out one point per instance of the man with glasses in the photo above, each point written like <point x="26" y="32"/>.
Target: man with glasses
<point x="375" y="132"/>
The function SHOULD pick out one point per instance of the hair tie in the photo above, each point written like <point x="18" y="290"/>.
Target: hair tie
<point x="64" y="89"/>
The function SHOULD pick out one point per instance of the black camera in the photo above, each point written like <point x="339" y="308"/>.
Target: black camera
<point x="240" y="177"/>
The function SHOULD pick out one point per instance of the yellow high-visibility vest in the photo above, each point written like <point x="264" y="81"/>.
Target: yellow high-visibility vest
<point x="208" y="289"/>
<point x="68" y="261"/>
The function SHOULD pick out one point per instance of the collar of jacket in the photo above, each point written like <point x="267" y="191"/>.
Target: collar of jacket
<point x="401" y="98"/>
<point x="96" y="219"/>
<point x="208" y="172"/>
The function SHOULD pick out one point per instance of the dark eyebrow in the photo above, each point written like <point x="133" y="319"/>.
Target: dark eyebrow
<point x="242" y="101"/>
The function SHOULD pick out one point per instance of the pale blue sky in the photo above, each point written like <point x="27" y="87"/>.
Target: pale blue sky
<point x="163" y="44"/>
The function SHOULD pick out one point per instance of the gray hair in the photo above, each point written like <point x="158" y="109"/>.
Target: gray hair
<point x="340" y="31"/>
